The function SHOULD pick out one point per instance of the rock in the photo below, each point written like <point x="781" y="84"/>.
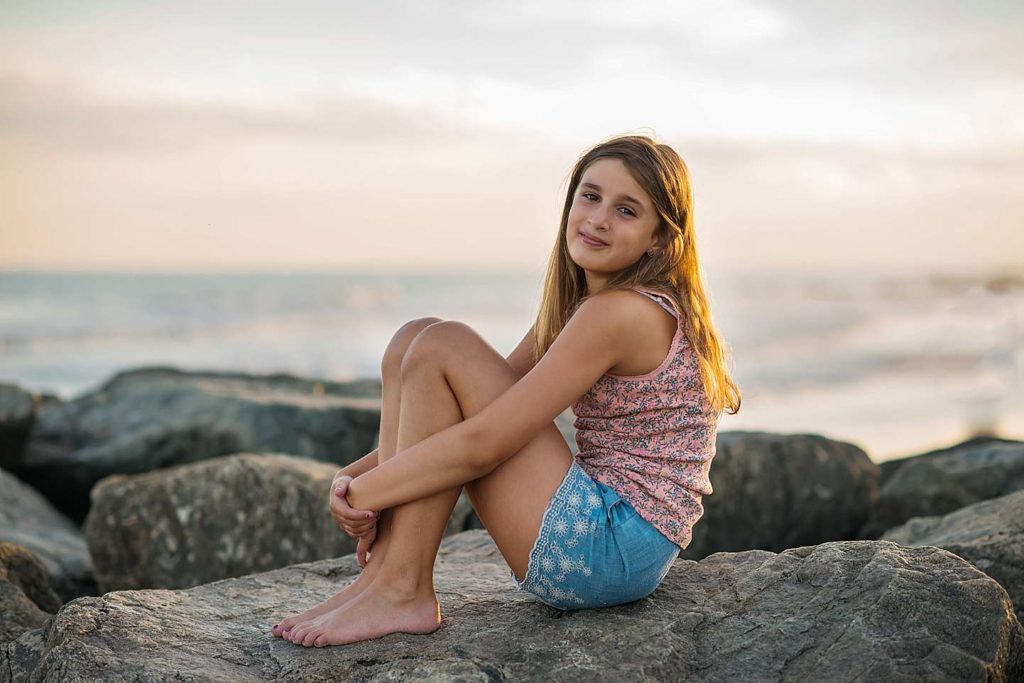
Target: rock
<point x="17" y="411"/>
<point x="20" y="657"/>
<point x="224" y="517"/>
<point x="841" y="611"/>
<point x="26" y="596"/>
<point x="889" y="467"/>
<point x="152" y="418"/>
<point x="941" y="482"/>
<point x="778" y="491"/>
<point x="202" y="522"/>
<point x="28" y="519"/>
<point x="989" y="535"/>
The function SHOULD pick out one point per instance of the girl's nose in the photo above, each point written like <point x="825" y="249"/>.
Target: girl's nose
<point x="599" y="217"/>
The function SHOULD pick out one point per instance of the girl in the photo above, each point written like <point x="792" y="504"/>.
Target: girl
<point x="624" y="335"/>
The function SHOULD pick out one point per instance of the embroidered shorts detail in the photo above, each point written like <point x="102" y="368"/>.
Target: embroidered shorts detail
<point x="594" y="549"/>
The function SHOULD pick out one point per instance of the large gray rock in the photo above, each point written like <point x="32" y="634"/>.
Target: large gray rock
<point x="844" y="611"/>
<point x="778" y="491"/>
<point x="224" y="517"/>
<point x="152" y="418"/>
<point x="989" y="534"/>
<point x="202" y="522"/>
<point x="17" y="411"/>
<point x="26" y="597"/>
<point x="890" y="467"/>
<point x="939" y="483"/>
<point x="28" y="519"/>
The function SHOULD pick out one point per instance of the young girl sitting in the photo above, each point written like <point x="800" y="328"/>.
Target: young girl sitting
<point x="625" y="337"/>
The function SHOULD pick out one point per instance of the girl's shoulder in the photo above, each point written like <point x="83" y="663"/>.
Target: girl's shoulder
<point x="654" y="333"/>
<point x="632" y="307"/>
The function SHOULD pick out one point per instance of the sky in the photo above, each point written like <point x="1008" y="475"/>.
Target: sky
<point x="230" y="135"/>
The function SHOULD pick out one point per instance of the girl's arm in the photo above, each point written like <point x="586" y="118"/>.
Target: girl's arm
<point x="521" y="360"/>
<point x="594" y="340"/>
<point x="360" y="466"/>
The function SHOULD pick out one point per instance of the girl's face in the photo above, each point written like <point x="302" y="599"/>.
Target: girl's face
<point x="611" y="222"/>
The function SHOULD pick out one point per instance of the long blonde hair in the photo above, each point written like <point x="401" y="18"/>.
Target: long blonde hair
<point x="673" y="270"/>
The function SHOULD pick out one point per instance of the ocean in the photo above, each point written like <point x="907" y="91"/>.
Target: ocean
<point x="894" y="363"/>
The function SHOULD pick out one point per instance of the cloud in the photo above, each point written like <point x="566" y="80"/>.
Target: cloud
<point x="68" y="114"/>
<point x="814" y="130"/>
<point x="710" y="23"/>
<point x="915" y="44"/>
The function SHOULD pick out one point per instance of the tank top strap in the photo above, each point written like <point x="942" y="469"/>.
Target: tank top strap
<point x="664" y="301"/>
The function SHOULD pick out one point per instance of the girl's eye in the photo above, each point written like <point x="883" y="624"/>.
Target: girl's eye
<point x="590" y="196"/>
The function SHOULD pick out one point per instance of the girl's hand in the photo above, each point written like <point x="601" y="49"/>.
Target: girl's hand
<point x="355" y="523"/>
<point x="364" y="545"/>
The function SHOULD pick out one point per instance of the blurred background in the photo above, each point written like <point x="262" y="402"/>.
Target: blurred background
<point x="278" y="186"/>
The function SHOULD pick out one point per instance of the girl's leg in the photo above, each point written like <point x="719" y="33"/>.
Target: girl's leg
<point x="425" y="408"/>
<point x="391" y="366"/>
<point x="449" y="374"/>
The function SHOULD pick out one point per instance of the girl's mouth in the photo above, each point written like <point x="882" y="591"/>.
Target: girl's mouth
<point x="591" y="241"/>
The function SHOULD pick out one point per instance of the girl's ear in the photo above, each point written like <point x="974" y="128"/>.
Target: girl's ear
<point x="657" y="242"/>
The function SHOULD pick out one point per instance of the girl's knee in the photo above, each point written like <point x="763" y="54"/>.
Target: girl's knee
<point x="400" y="342"/>
<point x="437" y="342"/>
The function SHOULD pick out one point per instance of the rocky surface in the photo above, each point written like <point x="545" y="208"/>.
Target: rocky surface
<point x="17" y="411"/>
<point x="844" y="611"/>
<point x="147" y="419"/>
<point x="989" y="534"/>
<point x="28" y="519"/>
<point x="202" y="522"/>
<point x="778" y="491"/>
<point x="26" y="597"/>
<point x="939" y="483"/>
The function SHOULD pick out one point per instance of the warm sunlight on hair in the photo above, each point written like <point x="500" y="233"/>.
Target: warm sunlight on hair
<point x="674" y="270"/>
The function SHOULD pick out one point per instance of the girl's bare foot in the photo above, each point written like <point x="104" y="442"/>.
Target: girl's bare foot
<point x="376" y="612"/>
<point x="350" y="592"/>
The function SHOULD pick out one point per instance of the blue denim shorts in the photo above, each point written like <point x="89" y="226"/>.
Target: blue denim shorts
<point x="594" y="549"/>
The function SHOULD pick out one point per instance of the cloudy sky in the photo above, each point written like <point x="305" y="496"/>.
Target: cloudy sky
<point x="422" y="135"/>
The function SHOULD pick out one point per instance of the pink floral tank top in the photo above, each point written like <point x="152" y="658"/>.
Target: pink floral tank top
<point x="651" y="438"/>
